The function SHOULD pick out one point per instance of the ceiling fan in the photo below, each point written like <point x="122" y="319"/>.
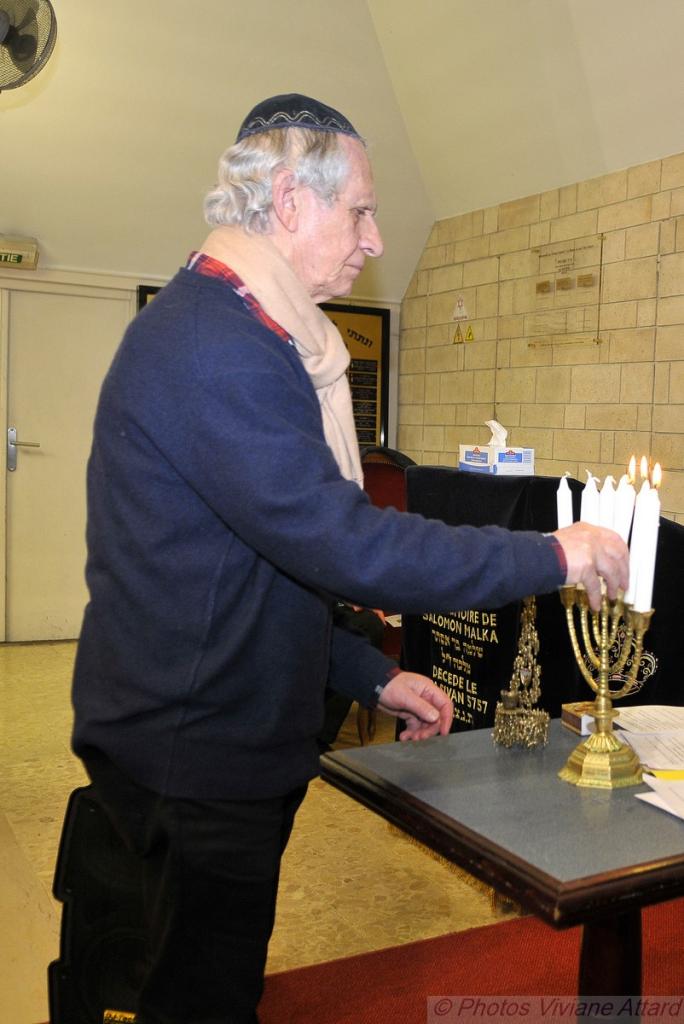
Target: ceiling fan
<point x="28" y="29"/>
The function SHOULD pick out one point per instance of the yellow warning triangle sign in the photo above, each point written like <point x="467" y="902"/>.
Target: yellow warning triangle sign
<point x="458" y="336"/>
<point x="469" y="334"/>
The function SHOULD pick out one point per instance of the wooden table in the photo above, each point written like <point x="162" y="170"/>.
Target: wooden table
<point x="571" y="855"/>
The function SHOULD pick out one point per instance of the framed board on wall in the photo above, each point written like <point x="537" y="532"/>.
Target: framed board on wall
<point x="145" y="293"/>
<point x="365" y="332"/>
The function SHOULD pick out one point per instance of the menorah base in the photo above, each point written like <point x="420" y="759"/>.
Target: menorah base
<point x="603" y="762"/>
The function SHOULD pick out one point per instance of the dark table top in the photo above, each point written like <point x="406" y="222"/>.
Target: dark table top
<point x="569" y="853"/>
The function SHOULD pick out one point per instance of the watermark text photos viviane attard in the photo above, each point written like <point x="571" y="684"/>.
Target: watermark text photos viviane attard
<point x="553" y="1009"/>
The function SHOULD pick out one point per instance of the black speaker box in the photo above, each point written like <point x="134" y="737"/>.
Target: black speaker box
<point x="103" y="944"/>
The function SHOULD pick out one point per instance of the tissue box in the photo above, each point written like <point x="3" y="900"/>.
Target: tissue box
<point x="501" y="460"/>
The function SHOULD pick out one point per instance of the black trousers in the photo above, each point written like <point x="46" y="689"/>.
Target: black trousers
<point x="211" y="871"/>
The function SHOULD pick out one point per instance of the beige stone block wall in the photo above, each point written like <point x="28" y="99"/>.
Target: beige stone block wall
<point x="562" y="316"/>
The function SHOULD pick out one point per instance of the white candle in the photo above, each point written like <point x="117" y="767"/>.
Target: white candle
<point x="643" y="597"/>
<point x="625" y="496"/>
<point x="607" y="503"/>
<point x="638" y="542"/>
<point x="589" y="509"/>
<point x="564" y="503"/>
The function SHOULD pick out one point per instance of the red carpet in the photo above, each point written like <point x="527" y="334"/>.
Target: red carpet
<point x="518" y="957"/>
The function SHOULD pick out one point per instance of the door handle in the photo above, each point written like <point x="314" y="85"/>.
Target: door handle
<point x="13" y="444"/>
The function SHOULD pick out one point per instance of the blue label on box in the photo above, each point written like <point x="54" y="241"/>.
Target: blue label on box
<point x="477" y="457"/>
<point x="521" y="458"/>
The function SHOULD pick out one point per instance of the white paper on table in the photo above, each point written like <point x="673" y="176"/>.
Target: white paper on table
<point x="651" y="718"/>
<point x="657" y="801"/>
<point x="670" y="794"/>
<point x="664" y="751"/>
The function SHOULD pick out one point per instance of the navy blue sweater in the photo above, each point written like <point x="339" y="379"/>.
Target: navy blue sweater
<point x="219" y="534"/>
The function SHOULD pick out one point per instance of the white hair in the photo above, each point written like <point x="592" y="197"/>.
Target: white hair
<point x="244" y="195"/>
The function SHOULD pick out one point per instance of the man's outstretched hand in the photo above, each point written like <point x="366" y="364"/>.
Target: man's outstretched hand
<point x="594" y="553"/>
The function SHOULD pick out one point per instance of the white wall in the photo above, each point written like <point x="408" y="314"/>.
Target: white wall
<point x="107" y="153"/>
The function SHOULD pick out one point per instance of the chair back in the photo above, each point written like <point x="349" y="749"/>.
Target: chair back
<point x="384" y="476"/>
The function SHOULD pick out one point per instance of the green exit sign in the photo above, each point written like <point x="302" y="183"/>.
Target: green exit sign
<point x="18" y="253"/>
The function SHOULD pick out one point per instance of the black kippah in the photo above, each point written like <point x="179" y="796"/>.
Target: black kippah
<point x="295" y="111"/>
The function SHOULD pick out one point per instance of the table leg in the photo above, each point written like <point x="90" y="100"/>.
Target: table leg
<point x="610" y="958"/>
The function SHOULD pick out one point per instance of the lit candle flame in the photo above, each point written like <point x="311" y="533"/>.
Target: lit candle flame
<point x="643" y="468"/>
<point x="631" y="470"/>
<point x="657" y="475"/>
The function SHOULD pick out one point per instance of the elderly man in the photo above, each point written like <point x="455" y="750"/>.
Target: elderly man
<point x="226" y="517"/>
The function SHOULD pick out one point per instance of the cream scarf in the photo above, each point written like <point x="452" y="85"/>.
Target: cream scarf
<point x="279" y="291"/>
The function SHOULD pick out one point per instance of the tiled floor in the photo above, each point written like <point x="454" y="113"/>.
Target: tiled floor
<point x="350" y="882"/>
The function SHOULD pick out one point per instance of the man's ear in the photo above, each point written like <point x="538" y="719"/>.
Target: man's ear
<point x="284" y="191"/>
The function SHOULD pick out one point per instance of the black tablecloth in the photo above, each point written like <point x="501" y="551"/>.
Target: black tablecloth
<point x="471" y="654"/>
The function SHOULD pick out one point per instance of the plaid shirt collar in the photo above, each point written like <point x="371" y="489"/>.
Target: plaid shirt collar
<point x="200" y="263"/>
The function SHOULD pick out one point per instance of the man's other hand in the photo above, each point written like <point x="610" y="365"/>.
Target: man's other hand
<point x="426" y="710"/>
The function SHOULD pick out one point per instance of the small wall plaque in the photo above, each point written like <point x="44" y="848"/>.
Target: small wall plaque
<point x="18" y="253"/>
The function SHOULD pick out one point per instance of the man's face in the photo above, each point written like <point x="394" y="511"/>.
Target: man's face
<point x="333" y="241"/>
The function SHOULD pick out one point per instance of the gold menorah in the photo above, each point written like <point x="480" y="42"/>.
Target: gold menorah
<point x="603" y="760"/>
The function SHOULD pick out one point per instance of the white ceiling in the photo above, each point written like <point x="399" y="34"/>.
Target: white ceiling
<point x="512" y="97"/>
<point x="107" y="153"/>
